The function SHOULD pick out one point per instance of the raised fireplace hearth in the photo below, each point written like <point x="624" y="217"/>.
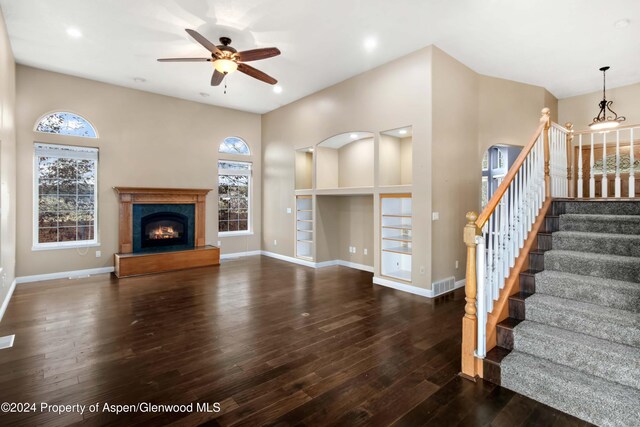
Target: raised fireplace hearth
<point x="162" y="229"/>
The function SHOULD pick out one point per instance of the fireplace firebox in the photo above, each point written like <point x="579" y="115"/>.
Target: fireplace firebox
<point x="163" y="229"/>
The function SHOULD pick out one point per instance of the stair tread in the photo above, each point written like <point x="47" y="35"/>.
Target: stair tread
<point x="594" y="256"/>
<point x="602" y="236"/>
<point x="571" y="391"/>
<point x="595" y="281"/>
<point x="496" y="354"/>
<point x="531" y="272"/>
<point x="580" y="351"/>
<point x="520" y="296"/>
<point x="608" y="217"/>
<point x="602" y="322"/>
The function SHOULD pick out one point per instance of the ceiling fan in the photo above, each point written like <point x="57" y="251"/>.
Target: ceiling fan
<point x="226" y="59"/>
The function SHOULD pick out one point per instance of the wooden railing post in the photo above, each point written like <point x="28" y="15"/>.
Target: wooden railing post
<point x="470" y="320"/>
<point x="569" y="127"/>
<point x="546" y="113"/>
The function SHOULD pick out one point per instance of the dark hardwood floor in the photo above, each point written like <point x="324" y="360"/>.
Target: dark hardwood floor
<point x="274" y="343"/>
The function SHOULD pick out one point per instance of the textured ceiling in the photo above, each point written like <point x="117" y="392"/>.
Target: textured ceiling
<point x="556" y="44"/>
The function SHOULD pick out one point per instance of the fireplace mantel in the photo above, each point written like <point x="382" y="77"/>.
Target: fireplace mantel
<point x="129" y="196"/>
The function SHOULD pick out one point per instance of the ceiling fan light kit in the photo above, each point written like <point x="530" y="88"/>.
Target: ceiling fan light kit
<point x="226" y="59"/>
<point x="603" y="121"/>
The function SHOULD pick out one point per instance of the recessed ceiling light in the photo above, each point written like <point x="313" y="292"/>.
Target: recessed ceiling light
<point x="402" y="131"/>
<point x="310" y="150"/>
<point x="622" y="23"/>
<point x="277" y="89"/>
<point x="370" y="44"/>
<point x="74" y="32"/>
<point x="354" y="136"/>
<point x="204" y="94"/>
<point x="139" y="79"/>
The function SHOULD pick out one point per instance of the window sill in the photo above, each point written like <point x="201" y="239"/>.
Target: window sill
<point x="235" y="233"/>
<point x="36" y="248"/>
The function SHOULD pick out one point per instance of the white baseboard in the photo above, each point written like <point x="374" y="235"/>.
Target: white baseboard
<point x="290" y="259"/>
<point x="240" y="254"/>
<point x="355" y="265"/>
<point x="460" y="284"/>
<point x="7" y="298"/>
<point x="403" y="287"/>
<point x="64" y="274"/>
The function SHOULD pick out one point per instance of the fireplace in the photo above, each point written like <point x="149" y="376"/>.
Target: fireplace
<point x="163" y="229"/>
<point x="159" y="227"/>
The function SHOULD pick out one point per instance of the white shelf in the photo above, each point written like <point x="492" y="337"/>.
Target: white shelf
<point x="399" y="238"/>
<point x="398" y="226"/>
<point x="306" y="231"/>
<point x="304" y="224"/>
<point x="305" y="220"/>
<point x="399" y="250"/>
<point x="395" y="235"/>
<point x="305" y="241"/>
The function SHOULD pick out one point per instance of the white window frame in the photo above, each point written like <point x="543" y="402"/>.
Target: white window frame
<point x="79" y="152"/>
<point x="241" y="172"/>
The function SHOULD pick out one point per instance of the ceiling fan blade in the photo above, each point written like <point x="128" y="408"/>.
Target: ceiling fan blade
<point x="204" y="42"/>
<point x="216" y="78"/>
<point x="184" y="59"/>
<point x="256" y="74"/>
<point x="256" y="54"/>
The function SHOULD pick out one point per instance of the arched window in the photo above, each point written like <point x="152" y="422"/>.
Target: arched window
<point x="63" y="123"/>
<point x="234" y="145"/>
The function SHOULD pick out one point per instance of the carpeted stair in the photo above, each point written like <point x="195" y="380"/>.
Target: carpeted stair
<point x="576" y="343"/>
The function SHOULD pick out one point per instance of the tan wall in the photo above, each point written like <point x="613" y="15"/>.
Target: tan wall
<point x="7" y="162"/>
<point x="327" y="232"/>
<point x="327" y="172"/>
<point x="146" y="140"/>
<point x="406" y="172"/>
<point x="456" y="184"/>
<point x="304" y="169"/>
<point x="508" y="111"/>
<point x="391" y="96"/>
<point x="580" y="110"/>
<point x="390" y="159"/>
<point x="355" y="164"/>
<point x="356" y="228"/>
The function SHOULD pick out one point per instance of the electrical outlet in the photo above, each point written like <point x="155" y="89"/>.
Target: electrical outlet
<point x="288" y="210"/>
<point x="275" y="242"/>
<point x="98" y="254"/>
<point x="365" y="251"/>
<point x="354" y="250"/>
<point x="456" y="264"/>
<point x="219" y="243"/>
<point x="421" y="269"/>
<point x="435" y="216"/>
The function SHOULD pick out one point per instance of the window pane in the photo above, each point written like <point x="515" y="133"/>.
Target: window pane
<point x="233" y="196"/>
<point x="47" y="235"/>
<point x="66" y="124"/>
<point x="223" y="226"/>
<point x="234" y="145"/>
<point x="243" y="226"/>
<point x="66" y="196"/>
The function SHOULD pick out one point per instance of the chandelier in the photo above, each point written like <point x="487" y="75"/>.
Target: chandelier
<point x="606" y="118"/>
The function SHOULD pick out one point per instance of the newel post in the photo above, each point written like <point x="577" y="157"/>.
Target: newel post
<point x="571" y="191"/>
<point x="470" y="320"/>
<point x="546" y="113"/>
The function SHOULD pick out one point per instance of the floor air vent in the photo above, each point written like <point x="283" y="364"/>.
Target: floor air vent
<point x="443" y="286"/>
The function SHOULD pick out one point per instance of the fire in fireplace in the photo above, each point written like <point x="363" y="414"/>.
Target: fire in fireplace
<point x="164" y="229"/>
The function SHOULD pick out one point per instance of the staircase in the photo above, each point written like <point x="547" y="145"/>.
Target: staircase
<point x="572" y="340"/>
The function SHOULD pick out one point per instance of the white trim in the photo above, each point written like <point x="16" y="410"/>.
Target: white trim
<point x="403" y="287"/>
<point x="240" y="254"/>
<point x="290" y="259"/>
<point x="7" y="298"/>
<point x="224" y="234"/>
<point x="64" y="275"/>
<point x="355" y="265"/>
<point x="459" y="284"/>
<point x="63" y="245"/>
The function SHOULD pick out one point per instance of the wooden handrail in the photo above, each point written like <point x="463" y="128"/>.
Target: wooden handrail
<point x="502" y="188"/>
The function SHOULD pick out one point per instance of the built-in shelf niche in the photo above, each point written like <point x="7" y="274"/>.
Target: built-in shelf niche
<point x="396" y="235"/>
<point x="395" y="157"/>
<point x="304" y="168"/>
<point x="304" y="227"/>
<point x="345" y="161"/>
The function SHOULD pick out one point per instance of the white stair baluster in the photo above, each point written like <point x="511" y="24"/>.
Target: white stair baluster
<point x="632" y="177"/>
<point x="618" y="186"/>
<point x="604" y="165"/>
<point x="592" y="179"/>
<point x="579" y="180"/>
